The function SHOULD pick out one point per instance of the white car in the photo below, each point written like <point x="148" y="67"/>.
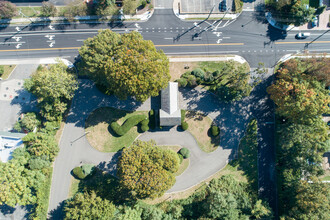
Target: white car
<point x="303" y="35"/>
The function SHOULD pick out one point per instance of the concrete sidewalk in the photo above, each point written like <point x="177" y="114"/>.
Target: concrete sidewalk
<point x="216" y="59"/>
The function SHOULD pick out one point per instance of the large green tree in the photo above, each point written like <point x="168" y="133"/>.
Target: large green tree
<point x="41" y="145"/>
<point x="126" y="65"/>
<point x="297" y="95"/>
<point x="147" y="170"/>
<point x="54" y="86"/>
<point x="89" y="206"/>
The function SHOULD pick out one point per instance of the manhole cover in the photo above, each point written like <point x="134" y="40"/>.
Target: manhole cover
<point x="4" y="95"/>
<point x="19" y="83"/>
<point x="7" y="88"/>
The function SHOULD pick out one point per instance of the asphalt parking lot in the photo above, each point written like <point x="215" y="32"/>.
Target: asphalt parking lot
<point x="14" y="100"/>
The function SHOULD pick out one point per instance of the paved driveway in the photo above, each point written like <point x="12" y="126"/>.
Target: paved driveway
<point x="232" y="119"/>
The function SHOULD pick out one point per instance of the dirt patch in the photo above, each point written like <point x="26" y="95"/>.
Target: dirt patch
<point x="178" y="68"/>
<point x="199" y="127"/>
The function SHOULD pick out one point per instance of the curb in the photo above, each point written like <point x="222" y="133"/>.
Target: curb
<point x="93" y="18"/>
<point x="184" y="17"/>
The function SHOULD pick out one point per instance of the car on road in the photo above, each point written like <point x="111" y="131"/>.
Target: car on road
<point x="303" y="35"/>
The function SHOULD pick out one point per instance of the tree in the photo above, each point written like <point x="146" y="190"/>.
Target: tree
<point x="126" y="65"/>
<point x="129" y="6"/>
<point x="221" y="206"/>
<point x="54" y="86"/>
<point x="2" y="70"/>
<point x="261" y="211"/>
<point x="146" y="170"/>
<point x="298" y="96"/>
<point x="29" y="122"/>
<point x="89" y="206"/>
<point x="14" y="187"/>
<point x="48" y="9"/>
<point x="7" y="9"/>
<point x="41" y="144"/>
<point x="312" y="200"/>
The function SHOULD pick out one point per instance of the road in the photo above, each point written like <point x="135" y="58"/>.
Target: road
<point x="248" y="36"/>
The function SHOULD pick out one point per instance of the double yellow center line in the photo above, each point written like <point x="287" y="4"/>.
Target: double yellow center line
<point x="168" y="45"/>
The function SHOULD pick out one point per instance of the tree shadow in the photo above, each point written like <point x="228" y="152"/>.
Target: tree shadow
<point x="275" y="34"/>
<point x="57" y="213"/>
<point x="88" y="98"/>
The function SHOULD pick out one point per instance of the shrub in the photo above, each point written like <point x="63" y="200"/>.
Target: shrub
<point x="215" y="130"/>
<point x="127" y="125"/>
<point x="2" y="70"/>
<point x="184" y="152"/>
<point x="238" y="5"/>
<point x="180" y="158"/>
<point x="152" y="119"/>
<point x="78" y="173"/>
<point x="151" y="6"/>
<point x="7" y="9"/>
<point x="144" y="125"/>
<point x="216" y="73"/>
<point x="198" y="73"/>
<point x="148" y="1"/>
<point x="88" y="169"/>
<point x="51" y="127"/>
<point x="183" y="115"/>
<point x="182" y="82"/>
<point x="28" y="122"/>
<point x="184" y="125"/>
<point x="208" y="77"/>
<point x="143" y="3"/>
<point x="39" y="163"/>
<point x="191" y="81"/>
<point x="48" y="9"/>
<point x="186" y="74"/>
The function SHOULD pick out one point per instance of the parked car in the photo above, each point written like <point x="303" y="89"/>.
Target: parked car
<point x="314" y="22"/>
<point x="303" y="35"/>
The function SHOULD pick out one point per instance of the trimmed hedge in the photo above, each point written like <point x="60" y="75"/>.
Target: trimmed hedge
<point x="83" y="171"/>
<point x="184" y="152"/>
<point x="215" y="130"/>
<point x="183" y="115"/>
<point x="184" y="125"/>
<point x="152" y="119"/>
<point x="127" y="125"/>
<point x="144" y="125"/>
<point x="180" y="158"/>
<point x="78" y="172"/>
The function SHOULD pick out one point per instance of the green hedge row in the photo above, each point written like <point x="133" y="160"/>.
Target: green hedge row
<point x="128" y="124"/>
<point x="152" y="119"/>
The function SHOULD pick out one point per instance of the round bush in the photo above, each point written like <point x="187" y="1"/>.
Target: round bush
<point x="191" y="81"/>
<point x="180" y="158"/>
<point x="78" y="172"/>
<point x="216" y="73"/>
<point x="186" y="75"/>
<point x="143" y="4"/>
<point x="215" y="130"/>
<point x="184" y="152"/>
<point x="184" y="125"/>
<point x="182" y="82"/>
<point x="144" y="128"/>
<point x="198" y="73"/>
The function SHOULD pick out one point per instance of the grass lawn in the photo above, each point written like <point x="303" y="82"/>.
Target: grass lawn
<point x="101" y="136"/>
<point x="74" y="187"/>
<point x="28" y="11"/>
<point x="185" y="163"/>
<point x="7" y="71"/>
<point x="228" y="170"/>
<point x="212" y="66"/>
<point x="199" y="126"/>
